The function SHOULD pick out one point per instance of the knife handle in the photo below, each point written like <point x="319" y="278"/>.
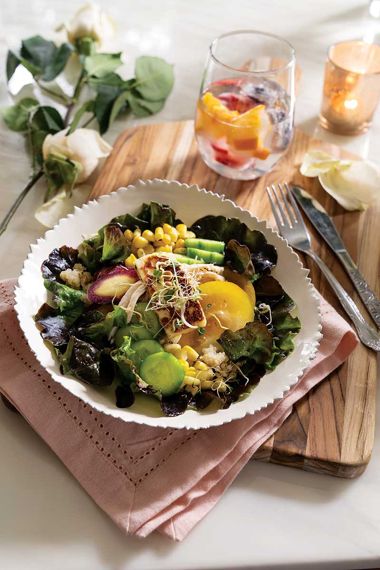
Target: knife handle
<point x="366" y="294"/>
<point x="367" y="334"/>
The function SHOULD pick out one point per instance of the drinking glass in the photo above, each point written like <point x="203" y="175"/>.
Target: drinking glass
<point x="245" y="110"/>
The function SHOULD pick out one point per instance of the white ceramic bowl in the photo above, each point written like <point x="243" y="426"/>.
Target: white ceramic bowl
<point x="190" y="203"/>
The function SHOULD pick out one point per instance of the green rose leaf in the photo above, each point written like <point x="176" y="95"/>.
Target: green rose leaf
<point x="38" y="51"/>
<point x="87" y="107"/>
<point x="12" y="64"/>
<point x="16" y="117"/>
<point x="58" y="62"/>
<point x="109" y="80"/>
<point x="104" y="102"/>
<point x="101" y="64"/>
<point x="43" y="58"/>
<point x="154" y="78"/>
<point x="45" y="120"/>
<point x="142" y="108"/>
<point x="13" y="61"/>
<point x="110" y="99"/>
<point x="120" y="104"/>
<point x="60" y="172"/>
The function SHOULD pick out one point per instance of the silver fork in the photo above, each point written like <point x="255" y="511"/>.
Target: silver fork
<point x="291" y="226"/>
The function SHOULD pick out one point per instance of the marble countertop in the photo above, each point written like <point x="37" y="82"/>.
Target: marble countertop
<point x="272" y="517"/>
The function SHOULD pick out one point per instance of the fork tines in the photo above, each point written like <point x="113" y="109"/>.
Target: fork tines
<point x="284" y="207"/>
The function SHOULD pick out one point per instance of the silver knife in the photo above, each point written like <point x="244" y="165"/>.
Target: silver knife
<point x="326" y="228"/>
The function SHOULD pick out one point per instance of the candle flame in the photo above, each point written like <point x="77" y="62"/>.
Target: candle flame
<point x="350" y="103"/>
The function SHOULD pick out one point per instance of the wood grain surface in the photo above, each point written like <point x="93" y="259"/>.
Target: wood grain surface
<point x="331" y="429"/>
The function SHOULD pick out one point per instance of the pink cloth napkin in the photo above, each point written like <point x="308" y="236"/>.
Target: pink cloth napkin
<point x="145" y="478"/>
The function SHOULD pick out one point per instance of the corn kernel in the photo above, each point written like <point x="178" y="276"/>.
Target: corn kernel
<point x="205" y="374"/>
<point x="166" y="248"/>
<point x="191" y="372"/>
<point x="174" y="349"/>
<point x="129" y="235"/>
<point x="130" y="261"/>
<point x="188" y="353"/>
<point x="137" y="232"/>
<point x="166" y="228"/>
<point x="199" y="365"/>
<point x="158" y="233"/>
<point x="181" y="229"/>
<point x="149" y="248"/>
<point x="179" y="250"/>
<point x="206" y="384"/>
<point x="166" y="239"/>
<point x="183" y="363"/>
<point x="139" y="241"/>
<point x="173" y="235"/>
<point x="140" y="252"/>
<point x="189" y="235"/>
<point x="189" y="380"/>
<point x="180" y="243"/>
<point x="147" y="234"/>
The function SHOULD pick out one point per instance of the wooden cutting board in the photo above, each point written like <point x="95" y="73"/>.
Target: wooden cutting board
<point x="331" y="429"/>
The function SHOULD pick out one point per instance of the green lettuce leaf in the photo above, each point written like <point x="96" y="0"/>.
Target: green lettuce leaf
<point x="123" y="357"/>
<point x="263" y="254"/>
<point x="254" y="341"/>
<point x="70" y="302"/>
<point x="87" y="363"/>
<point x="59" y="260"/>
<point x="149" y="217"/>
<point x="52" y="325"/>
<point x="115" y="246"/>
<point x="284" y="329"/>
<point x="90" y="252"/>
<point x="238" y="258"/>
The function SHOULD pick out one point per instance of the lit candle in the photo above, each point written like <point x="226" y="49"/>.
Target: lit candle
<point x="351" y="88"/>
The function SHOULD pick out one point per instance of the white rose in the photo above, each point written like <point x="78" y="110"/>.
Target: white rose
<point x="84" y="146"/>
<point x="90" y="21"/>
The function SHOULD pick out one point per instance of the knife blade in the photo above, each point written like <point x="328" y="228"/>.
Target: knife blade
<point x="327" y="230"/>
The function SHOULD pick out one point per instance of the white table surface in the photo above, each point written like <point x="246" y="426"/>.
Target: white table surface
<point x="271" y="517"/>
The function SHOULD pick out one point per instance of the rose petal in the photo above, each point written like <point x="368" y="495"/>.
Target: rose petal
<point x="354" y="188"/>
<point x="317" y="162"/>
<point x="61" y="205"/>
<point x="84" y="146"/>
<point x="91" y="21"/>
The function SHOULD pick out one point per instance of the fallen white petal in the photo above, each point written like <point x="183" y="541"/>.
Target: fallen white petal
<point x="354" y="188"/>
<point x="317" y="162"/>
<point x="61" y="205"/>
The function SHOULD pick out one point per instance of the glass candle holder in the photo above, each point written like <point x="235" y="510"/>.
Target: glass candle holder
<point x="245" y="110"/>
<point x="351" y="88"/>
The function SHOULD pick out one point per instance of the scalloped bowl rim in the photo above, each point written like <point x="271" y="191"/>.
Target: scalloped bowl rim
<point x="267" y="391"/>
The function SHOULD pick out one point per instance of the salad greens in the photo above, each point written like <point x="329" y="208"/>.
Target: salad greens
<point x="115" y="337"/>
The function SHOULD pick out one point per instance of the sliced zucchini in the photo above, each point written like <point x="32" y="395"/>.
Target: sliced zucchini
<point x="137" y="332"/>
<point x="143" y="349"/>
<point x="206" y="256"/>
<point x="185" y="259"/>
<point x="163" y="372"/>
<point x="205" y="244"/>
